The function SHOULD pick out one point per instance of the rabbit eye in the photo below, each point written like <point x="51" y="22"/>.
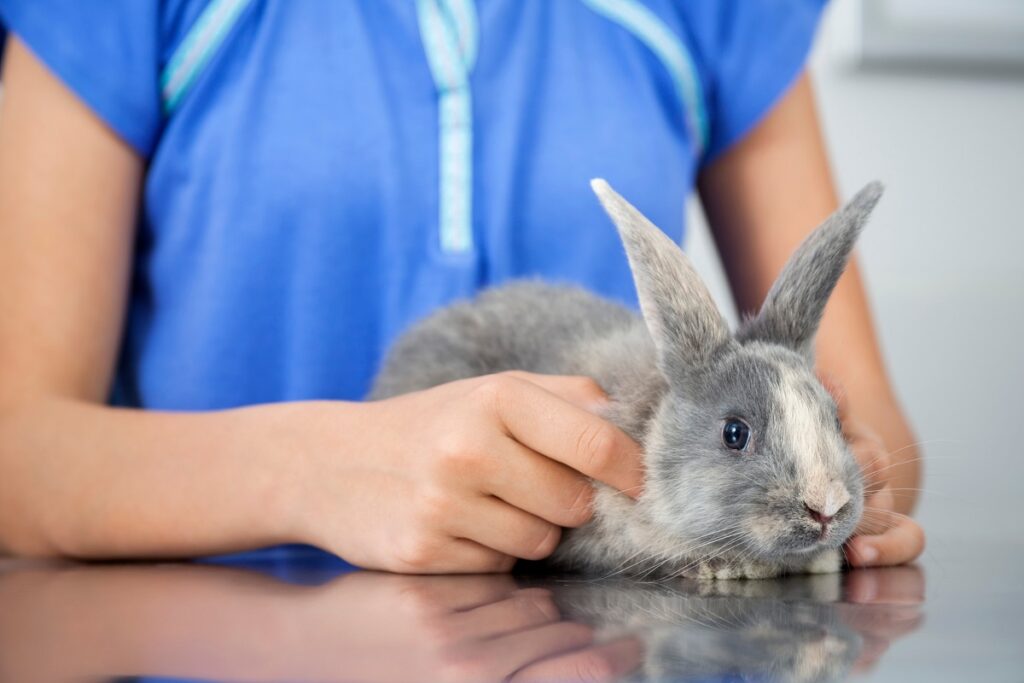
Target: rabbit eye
<point x="735" y="434"/>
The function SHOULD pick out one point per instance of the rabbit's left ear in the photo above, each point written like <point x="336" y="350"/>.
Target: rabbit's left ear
<point x="794" y="305"/>
<point x="686" y="326"/>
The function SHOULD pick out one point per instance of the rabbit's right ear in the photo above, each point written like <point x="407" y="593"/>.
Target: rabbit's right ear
<point x="794" y="305"/>
<point x="687" y="328"/>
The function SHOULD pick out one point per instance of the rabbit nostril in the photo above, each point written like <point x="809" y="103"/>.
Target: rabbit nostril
<point x="821" y="519"/>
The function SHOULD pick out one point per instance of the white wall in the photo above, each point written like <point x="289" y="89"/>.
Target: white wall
<point x="943" y="261"/>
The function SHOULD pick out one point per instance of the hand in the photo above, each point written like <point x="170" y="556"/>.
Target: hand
<point x="884" y="536"/>
<point x="464" y="477"/>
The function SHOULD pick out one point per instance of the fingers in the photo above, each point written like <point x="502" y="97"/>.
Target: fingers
<point x="878" y="513"/>
<point x="493" y="523"/>
<point x="902" y="543"/>
<point x="466" y="557"/>
<point x="496" y="658"/>
<point x="524" y="609"/>
<point x="605" y="662"/>
<point x="450" y="556"/>
<point x="442" y="595"/>
<point x="582" y="392"/>
<point x="870" y="452"/>
<point x="541" y="486"/>
<point x="559" y="430"/>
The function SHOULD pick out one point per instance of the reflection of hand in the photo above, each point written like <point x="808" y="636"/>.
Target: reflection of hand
<point x="483" y="628"/>
<point x="895" y="595"/>
<point x="217" y="623"/>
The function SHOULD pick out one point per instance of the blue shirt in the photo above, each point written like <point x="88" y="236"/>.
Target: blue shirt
<point x="294" y="210"/>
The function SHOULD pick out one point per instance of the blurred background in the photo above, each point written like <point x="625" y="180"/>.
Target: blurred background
<point x="928" y="96"/>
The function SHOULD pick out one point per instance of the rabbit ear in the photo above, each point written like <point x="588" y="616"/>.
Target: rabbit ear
<point x="686" y="326"/>
<point x="794" y="305"/>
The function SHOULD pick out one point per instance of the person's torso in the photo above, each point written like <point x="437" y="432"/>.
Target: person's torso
<point x="291" y="221"/>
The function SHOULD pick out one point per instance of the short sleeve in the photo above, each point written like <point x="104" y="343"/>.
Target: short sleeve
<point x="749" y="52"/>
<point x="106" y="51"/>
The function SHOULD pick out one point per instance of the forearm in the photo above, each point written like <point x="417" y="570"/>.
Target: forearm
<point x="85" y="480"/>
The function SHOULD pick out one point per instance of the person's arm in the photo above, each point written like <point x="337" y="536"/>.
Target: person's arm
<point x="761" y="198"/>
<point x="462" y="477"/>
<point x="78" y="478"/>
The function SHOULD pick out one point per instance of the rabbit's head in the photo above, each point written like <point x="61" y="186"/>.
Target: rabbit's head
<point x="745" y="455"/>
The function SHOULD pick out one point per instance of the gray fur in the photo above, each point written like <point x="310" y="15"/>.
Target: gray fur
<point x="673" y="377"/>
<point x="795" y="303"/>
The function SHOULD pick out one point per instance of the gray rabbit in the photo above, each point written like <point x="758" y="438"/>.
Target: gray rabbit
<point x="747" y="472"/>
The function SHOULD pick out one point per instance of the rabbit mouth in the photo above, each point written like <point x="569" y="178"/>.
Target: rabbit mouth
<point x="805" y="541"/>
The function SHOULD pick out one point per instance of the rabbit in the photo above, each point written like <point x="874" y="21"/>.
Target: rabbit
<point x="747" y="472"/>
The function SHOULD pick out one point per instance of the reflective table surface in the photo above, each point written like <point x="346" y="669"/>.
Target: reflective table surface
<point x="954" y="616"/>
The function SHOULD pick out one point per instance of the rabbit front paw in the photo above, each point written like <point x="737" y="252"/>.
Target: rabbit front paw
<point x="827" y="562"/>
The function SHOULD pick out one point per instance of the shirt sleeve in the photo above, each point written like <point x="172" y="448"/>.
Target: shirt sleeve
<point x="106" y="52"/>
<point x="749" y="53"/>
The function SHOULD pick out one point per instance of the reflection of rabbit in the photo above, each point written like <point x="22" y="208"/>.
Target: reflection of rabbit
<point x="719" y="637"/>
<point x="747" y="471"/>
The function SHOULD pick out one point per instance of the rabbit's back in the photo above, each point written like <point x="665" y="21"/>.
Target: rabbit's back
<point x="525" y="325"/>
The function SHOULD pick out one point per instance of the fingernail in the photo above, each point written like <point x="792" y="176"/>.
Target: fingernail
<point x="867" y="553"/>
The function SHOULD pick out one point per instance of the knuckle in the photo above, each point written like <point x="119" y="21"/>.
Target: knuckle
<point x="457" y="666"/>
<point x="500" y="564"/>
<point x="517" y="375"/>
<point x="493" y="388"/>
<point x="589" y="387"/>
<point x="416" y="553"/>
<point x="420" y="598"/>
<point x="869" y="454"/>
<point x="455" y="452"/>
<point x="436" y="508"/>
<point x="544" y="544"/>
<point x="581" y="505"/>
<point x="438" y="628"/>
<point x="593" y="667"/>
<point x="532" y="609"/>
<point x="595" y="445"/>
<point x="878" y="458"/>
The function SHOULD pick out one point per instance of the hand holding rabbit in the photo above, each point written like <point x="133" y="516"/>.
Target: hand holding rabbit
<point x="464" y="477"/>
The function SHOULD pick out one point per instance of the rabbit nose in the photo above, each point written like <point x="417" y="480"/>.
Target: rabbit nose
<point x="824" y="503"/>
<point x="818" y="516"/>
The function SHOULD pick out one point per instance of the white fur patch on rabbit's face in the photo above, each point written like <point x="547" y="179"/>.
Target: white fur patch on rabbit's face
<point x="818" y="453"/>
